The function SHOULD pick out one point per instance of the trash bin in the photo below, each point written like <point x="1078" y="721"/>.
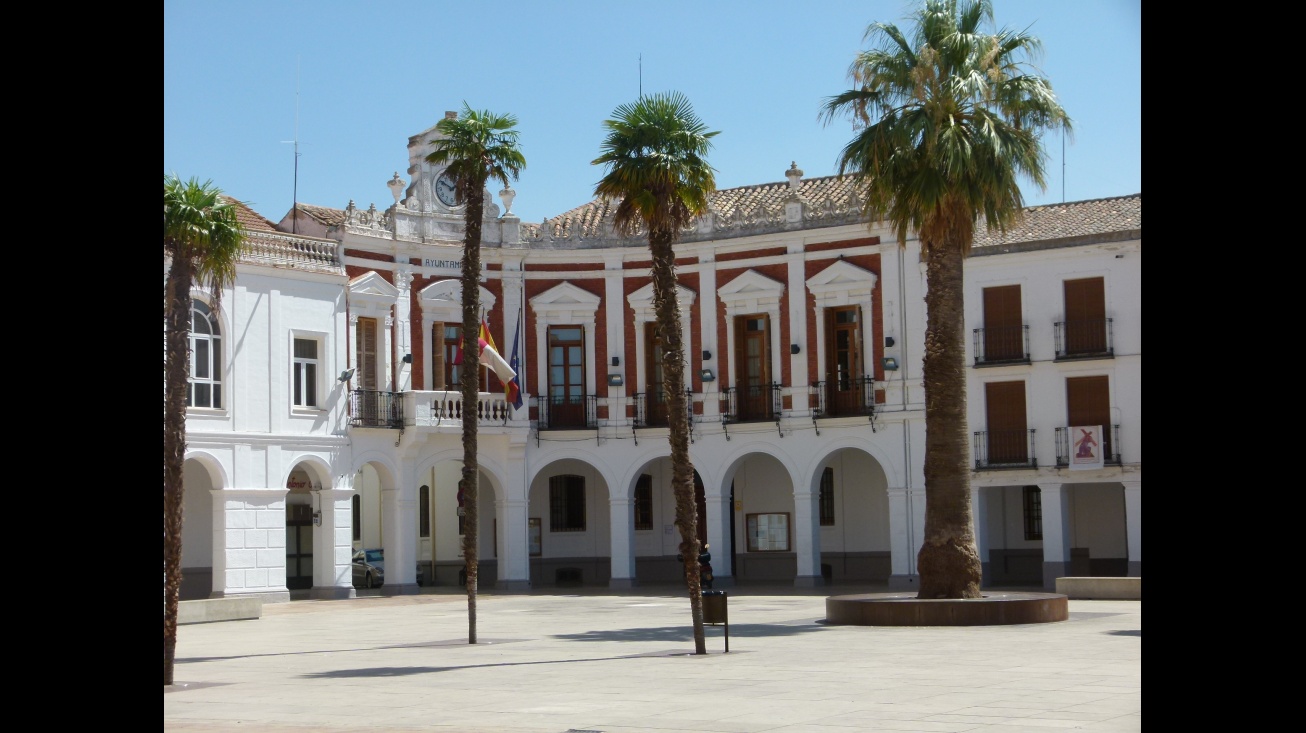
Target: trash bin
<point x="714" y="607"/>
<point x="714" y="611"/>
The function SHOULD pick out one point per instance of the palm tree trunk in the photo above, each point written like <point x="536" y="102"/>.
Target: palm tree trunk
<point x="176" y="368"/>
<point x="673" y="380"/>
<point x="948" y="561"/>
<point x="471" y="388"/>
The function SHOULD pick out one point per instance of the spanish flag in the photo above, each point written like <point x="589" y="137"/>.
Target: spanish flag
<point x="491" y="359"/>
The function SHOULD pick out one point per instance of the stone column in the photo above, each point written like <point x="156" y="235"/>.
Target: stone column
<point x="707" y="318"/>
<point x="333" y="576"/>
<point x="1134" y="526"/>
<point x="720" y="512"/>
<point x="616" y="337"/>
<point x="403" y="333"/>
<point x="252" y="558"/>
<point x="979" y="510"/>
<point x="807" y="537"/>
<point x="1054" y="499"/>
<point x="623" y="542"/>
<point x="514" y="566"/>
<point x="798" y="376"/>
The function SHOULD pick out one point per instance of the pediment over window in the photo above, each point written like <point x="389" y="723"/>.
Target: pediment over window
<point x="751" y="291"/>
<point x="443" y="300"/>
<point x="566" y="297"/>
<point x="842" y="283"/>
<point x="641" y="301"/>
<point x="371" y="283"/>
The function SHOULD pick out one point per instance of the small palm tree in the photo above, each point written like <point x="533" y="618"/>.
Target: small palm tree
<point x="947" y="120"/>
<point x="656" y="169"/>
<point x="202" y="239"/>
<point x="474" y="147"/>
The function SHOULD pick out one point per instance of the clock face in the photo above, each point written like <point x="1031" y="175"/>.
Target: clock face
<point x="445" y="190"/>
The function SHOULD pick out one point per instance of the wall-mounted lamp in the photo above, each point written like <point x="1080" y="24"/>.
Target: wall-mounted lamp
<point x="889" y="363"/>
<point x="706" y="355"/>
<point x="793" y="348"/>
<point x="317" y="519"/>
<point x="616" y="361"/>
<point x="346" y="375"/>
<point x="888" y="341"/>
<point x="408" y="359"/>
<point x="615" y="380"/>
<point x="706" y="375"/>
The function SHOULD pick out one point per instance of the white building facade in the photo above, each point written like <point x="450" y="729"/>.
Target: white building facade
<point x="804" y="325"/>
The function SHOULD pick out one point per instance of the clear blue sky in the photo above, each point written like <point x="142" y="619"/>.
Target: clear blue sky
<point x="242" y="79"/>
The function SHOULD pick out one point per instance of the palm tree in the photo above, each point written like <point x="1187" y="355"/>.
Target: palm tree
<point x="656" y="169"/>
<point x="202" y="240"/>
<point x="474" y="147"/>
<point x="947" y="121"/>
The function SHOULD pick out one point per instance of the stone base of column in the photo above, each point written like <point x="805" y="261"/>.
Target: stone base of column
<point x="1052" y="571"/>
<point x="332" y="593"/>
<point x="513" y="586"/>
<point x="622" y="583"/>
<point x="271" y="596"/>
<point x="808" y="581"/>
<point x="403" y="589"/>
<point x="904" y="582"/>
<point x="1135" y="568"/>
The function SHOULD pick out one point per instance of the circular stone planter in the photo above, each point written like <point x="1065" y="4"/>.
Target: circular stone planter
<point x="905" y="609"/>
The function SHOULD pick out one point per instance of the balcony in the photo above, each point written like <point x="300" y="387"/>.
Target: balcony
<point x="445" y="408"/>
<point x="1110" y="446"/>
<point x="370" y="408"/>
<point x="998" y="449"/>
<point x="1086" y="339"/>
<point x="651" y="408"/>
<point x="1001" y="345"/>
<point x="573" y="412"/>
<point x="844" y="397"/>
<point x="751" y="403"/>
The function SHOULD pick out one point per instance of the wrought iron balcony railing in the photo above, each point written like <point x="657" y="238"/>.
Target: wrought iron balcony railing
<point x="1002" y="345"/>
<point x="844" y="397"/>
<point x="751" y="403"/>
<point x="1004" y="449"/>
<point x="573" y="412"/>
<point x="1110" y="445"/>
<point x="1086" y="339"/>
<point x="370" y="408"/>
<point x="651" y="408"/>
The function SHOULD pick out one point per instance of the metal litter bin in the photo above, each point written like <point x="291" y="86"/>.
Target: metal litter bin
<point x="714" y="611"/>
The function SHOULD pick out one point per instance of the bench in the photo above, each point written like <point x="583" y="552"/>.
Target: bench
<point x="1101" y="588"/>
<point x="206" y="610"/>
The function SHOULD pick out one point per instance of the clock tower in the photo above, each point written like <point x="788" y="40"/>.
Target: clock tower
<point x="429" y="209"/>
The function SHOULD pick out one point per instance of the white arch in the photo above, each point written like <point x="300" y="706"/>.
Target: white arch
<point x="211" y="463"/>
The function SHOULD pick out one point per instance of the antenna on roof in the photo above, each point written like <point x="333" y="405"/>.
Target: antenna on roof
<point x="1063" y="165"/>
<point x="294" y="215"/>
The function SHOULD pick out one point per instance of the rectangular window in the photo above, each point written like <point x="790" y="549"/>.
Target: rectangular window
<point x="644" y="502"/>
<point x="1088" y="402"/>
<point x="566" y="401"/>
<point x="424" y="511"/>
<point x="1033" y="503"/>
<point x="827" y="498"/>
<point x="567" y="504"/>
<point x="306" y="370"/>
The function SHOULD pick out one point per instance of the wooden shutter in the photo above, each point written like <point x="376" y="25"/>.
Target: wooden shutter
<point x="1085" y="316"/>
<point x="366" y="353"/>
<point x="1088" y="402"/>
<point x="1003" y="327"/>
<point x="1008" y="439"/>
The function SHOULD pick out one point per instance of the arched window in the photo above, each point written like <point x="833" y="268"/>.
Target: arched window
<point x="206" y="358"/>
<point x="357" y="503"/>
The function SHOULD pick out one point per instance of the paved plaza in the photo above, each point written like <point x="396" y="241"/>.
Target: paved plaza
<point x="573" y="661"/>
